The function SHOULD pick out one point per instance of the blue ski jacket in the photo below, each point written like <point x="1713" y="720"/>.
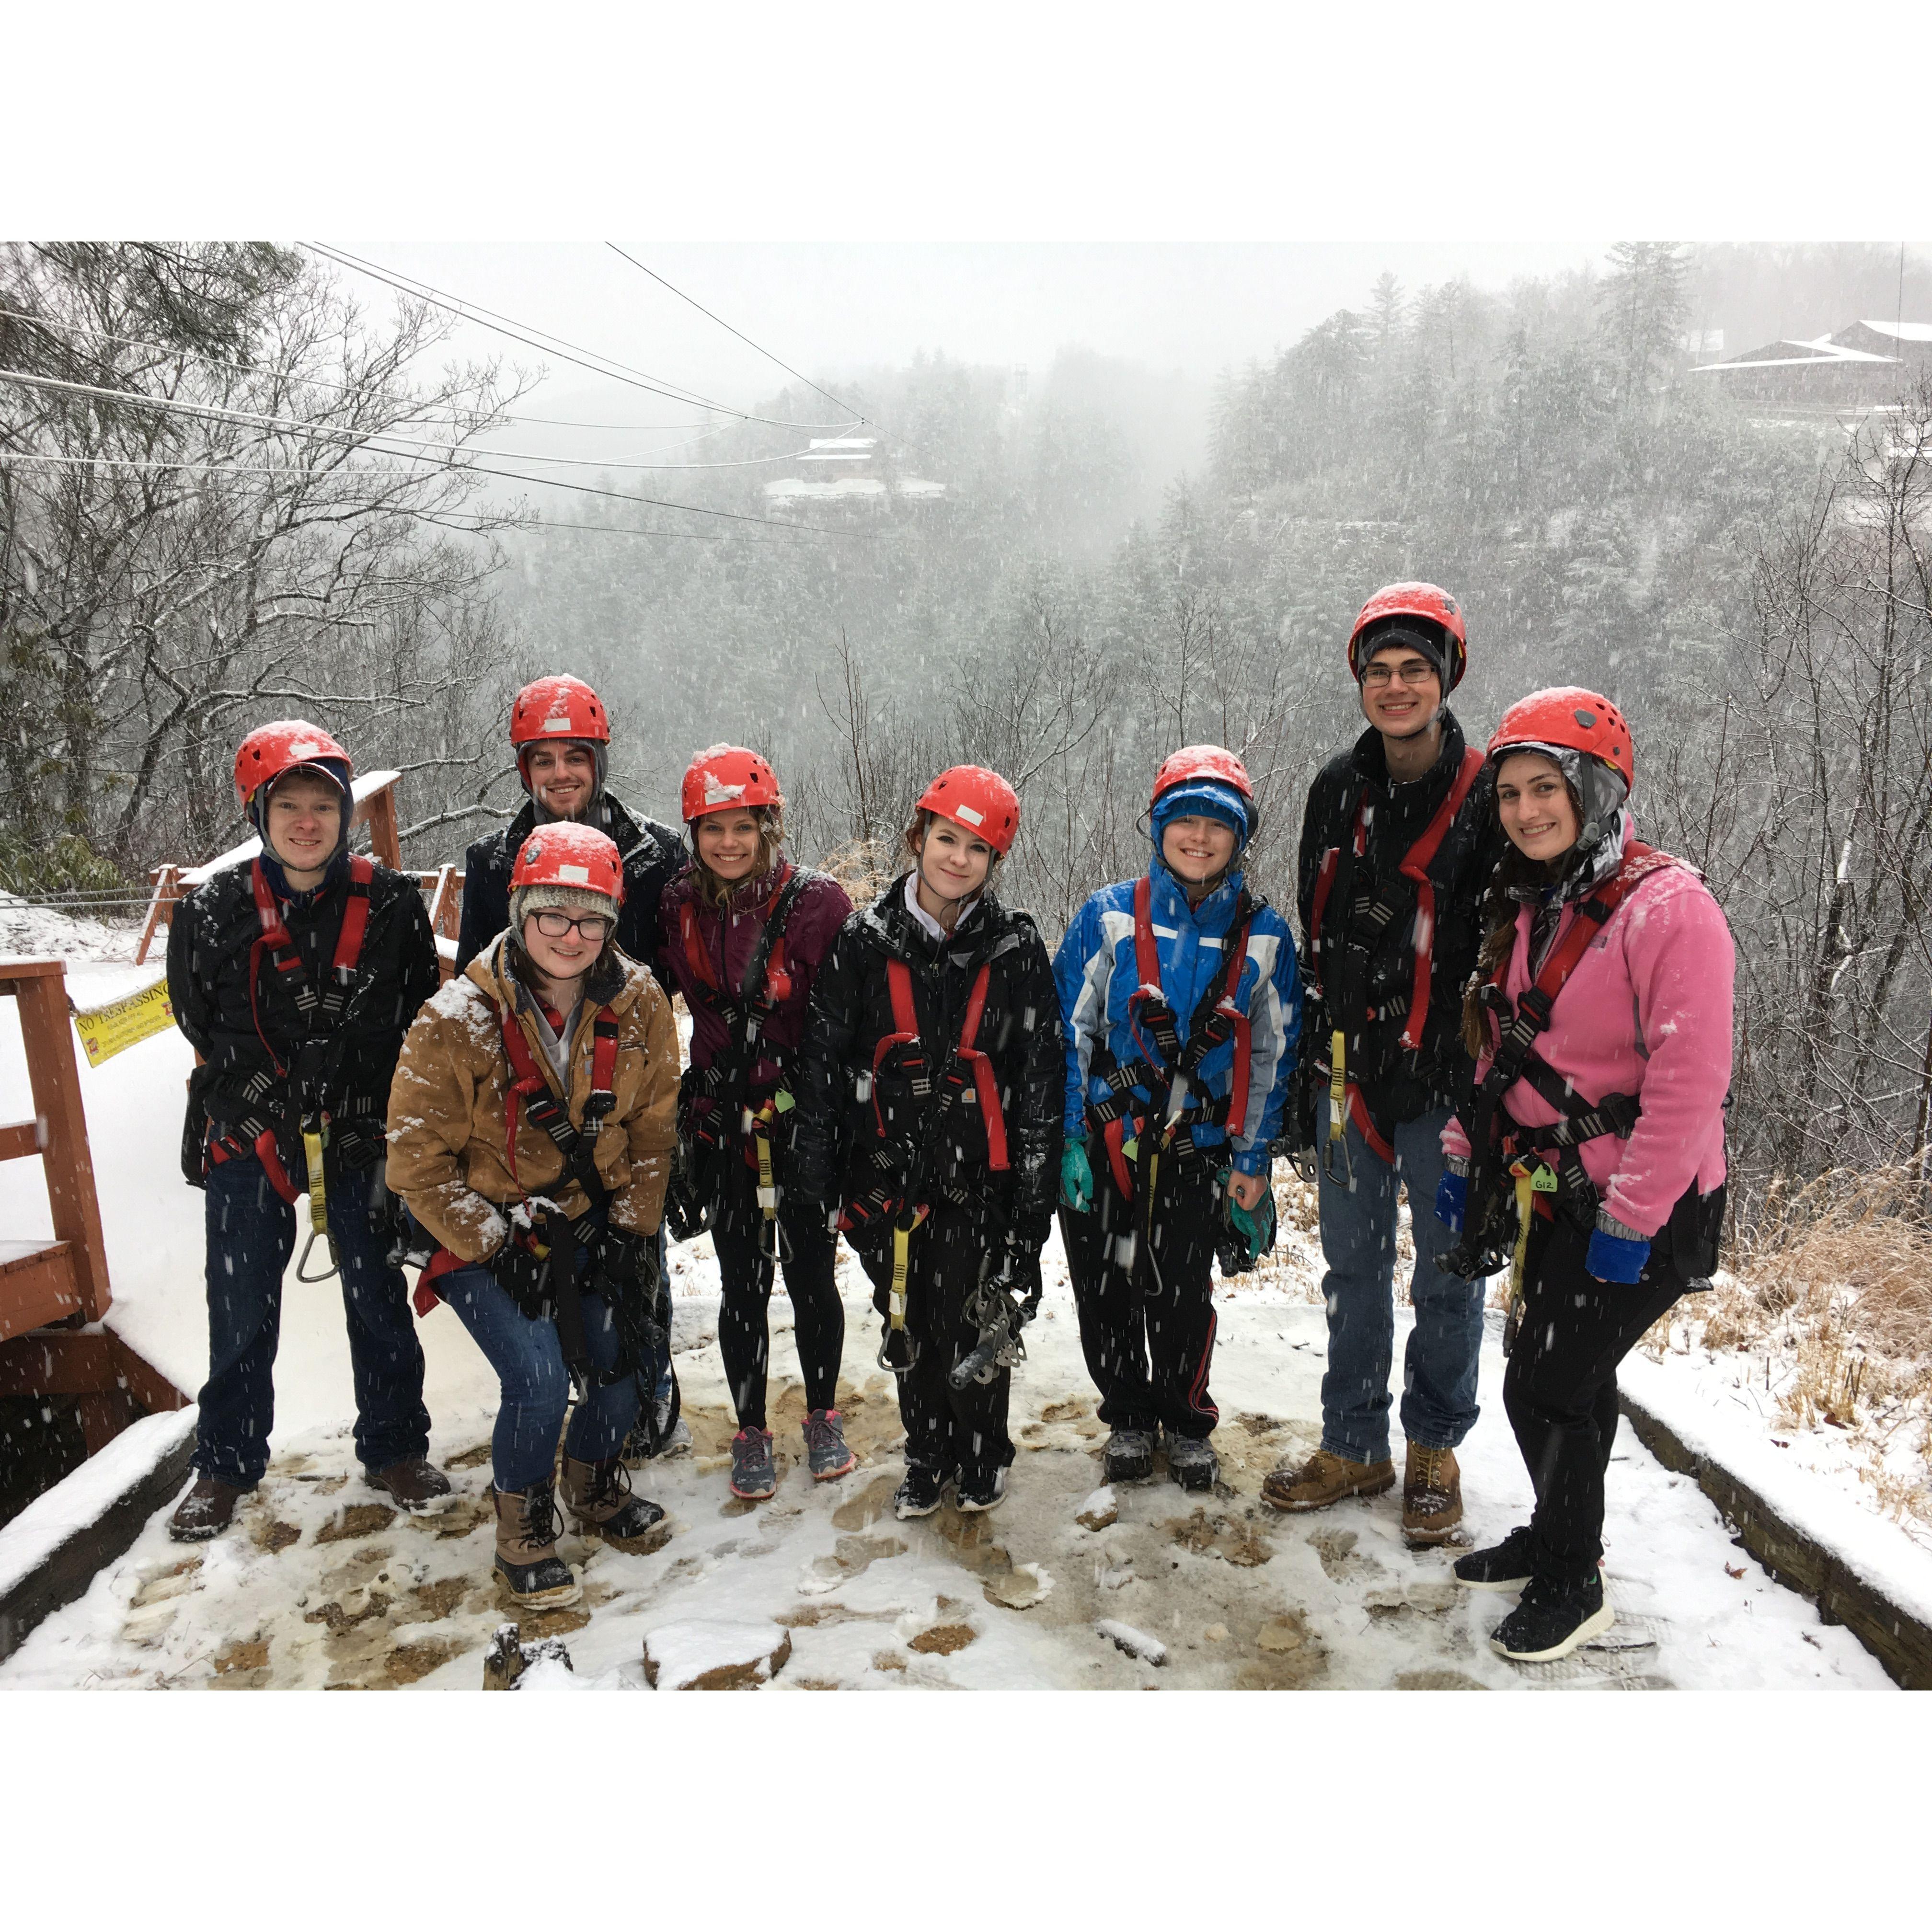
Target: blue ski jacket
<point x="1095" y="972"/>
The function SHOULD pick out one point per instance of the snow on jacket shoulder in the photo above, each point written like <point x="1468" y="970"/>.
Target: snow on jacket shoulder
<point x="449" y="1151"/>
<point x="727" y="936"/>
<point x="1647" y="1011"/>
<point x="1097" y="976"/>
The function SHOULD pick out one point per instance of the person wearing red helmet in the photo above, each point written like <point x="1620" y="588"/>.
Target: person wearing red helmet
<point x="745" y="932"/>
<point x="1594" y="1164"/>
<point x="1398" y="840"/>
<point x="1181" y="997"/>
<point x="560" y="732"/>
<point x="293" y="976"/>
<point x="928" y="1110"/>
<point x="532" y="1119"/>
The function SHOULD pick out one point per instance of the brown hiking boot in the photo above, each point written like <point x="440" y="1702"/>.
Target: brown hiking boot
<point x="598" y="1494"/>
<point x="415" y="1484"/>
<point x="527" y="1564"/>
<point x="206" y="1510"/>
<point x="1325" y="1479"/>
<point x="1432" y="1495"/>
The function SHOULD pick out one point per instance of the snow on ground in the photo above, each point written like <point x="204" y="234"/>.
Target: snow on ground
<point x="323" y="1584"/>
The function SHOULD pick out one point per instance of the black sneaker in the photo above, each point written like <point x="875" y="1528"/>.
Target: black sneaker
<point x="1506" y="1565"/>
<point x="982" y="1492"/>
<point x="1553" y="1619"/>
<point x="920" y="1493"/>
<point x="1130" y="1456"/>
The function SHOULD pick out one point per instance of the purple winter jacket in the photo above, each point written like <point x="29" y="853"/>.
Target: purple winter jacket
<point x="727" y="936"/>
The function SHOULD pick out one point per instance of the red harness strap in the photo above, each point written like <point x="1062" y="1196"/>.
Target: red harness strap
<point x="531" y="1083"/>
<point x="777" y="989"/>
<point x="275" y="940"/>
<point x="1147" y="965"/>
<point x="905" y="1022"/>
<point x="1415" y="865"/>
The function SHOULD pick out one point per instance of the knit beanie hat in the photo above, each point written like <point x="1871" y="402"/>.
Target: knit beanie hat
<point x="574" y="900"/>
<point x="1429" y="639"/>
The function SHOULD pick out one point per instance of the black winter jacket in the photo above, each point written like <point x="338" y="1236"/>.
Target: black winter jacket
<point x="1396" y="1086"/>
<point x="844" y="1119"/>
<point x="652" y="854"/>
<point x="238" y="1089"/>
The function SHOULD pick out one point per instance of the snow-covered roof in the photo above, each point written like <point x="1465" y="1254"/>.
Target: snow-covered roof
<point x="788" y="488"/>
<point x="920" y="486"/>
<point x="837" y="456"/>
<point x="1901" y="331"/>
<point x="858" y="442"/>
<point x="1823" y="351"/>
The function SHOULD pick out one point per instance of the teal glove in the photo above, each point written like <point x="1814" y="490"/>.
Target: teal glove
<point x="1076" y="1178"/>
<point x="1250" y="1230"/>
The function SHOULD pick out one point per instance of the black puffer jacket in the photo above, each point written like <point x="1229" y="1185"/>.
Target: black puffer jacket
<point x="653" y="854"/>
<point x="844" y="1118"/>
<point x="209" y="943"/>
<point x="1397" y="1086"/>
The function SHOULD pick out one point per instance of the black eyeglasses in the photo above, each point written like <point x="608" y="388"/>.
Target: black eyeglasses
<point x="595" y="927"/>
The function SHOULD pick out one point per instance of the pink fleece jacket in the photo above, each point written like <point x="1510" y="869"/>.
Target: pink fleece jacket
<point x="1647" y="1012"/>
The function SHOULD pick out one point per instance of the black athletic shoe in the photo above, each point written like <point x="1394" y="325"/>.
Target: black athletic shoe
<point x="1553" y="1619"/>
<point x="1130" y="1455"/>
<point x="920" y="1493"/>
<point x="1192" y="1463"/>
<point x="1506" y="1565"/>
<point x="981" y="1492"/>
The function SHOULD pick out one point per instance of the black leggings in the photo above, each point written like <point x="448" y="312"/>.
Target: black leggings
<point x="948" y="1430"/>
<point x="741" y="1234"/>
<point x="1560" y="1388"/>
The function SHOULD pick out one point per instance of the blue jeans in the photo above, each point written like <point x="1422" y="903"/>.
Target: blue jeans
<point x="528" y="1358"/>
<point x="251" y="1234"/>
<point x="1438" y="1394"/>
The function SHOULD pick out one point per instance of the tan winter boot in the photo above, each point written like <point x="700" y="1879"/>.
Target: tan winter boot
<point x="598" y="1495"/>
<point x="527" y="1564"/>
<point x="1325" y="1479"/>
<point x="1432" y="1496"/>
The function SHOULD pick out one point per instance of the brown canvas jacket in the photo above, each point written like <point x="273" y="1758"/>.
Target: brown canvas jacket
<point x="449" y="1106"/>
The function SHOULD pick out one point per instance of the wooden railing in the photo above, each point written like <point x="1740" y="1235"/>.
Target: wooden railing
<point x="48" y="1288"/>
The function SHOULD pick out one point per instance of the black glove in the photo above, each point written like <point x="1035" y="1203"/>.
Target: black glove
<point x="521" y="1273"/>
<point x="1023" y="1275"/>
<point x="627" y="1268"/>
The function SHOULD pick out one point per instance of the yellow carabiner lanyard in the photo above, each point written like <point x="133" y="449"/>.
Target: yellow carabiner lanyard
<point x="1532" y="1178"/>
<point x="1338" y="1084"/>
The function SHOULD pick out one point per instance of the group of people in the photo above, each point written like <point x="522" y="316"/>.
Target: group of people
<point x="1512" y="1009"/>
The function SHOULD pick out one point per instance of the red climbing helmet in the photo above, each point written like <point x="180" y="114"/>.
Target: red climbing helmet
<point x="566" y="853"/>
<point x="562" y="706"/>
<point x="270" y="750"/>
<point x="1570" y="717"/>
<point x="980" y="800"/>
<point x="727" y="777"/>
<point x="1431" y="604"/>
<point x="1213" y="763"/>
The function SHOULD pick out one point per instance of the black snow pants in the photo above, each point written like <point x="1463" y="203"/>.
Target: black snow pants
<point x="1144" y="1300"/>
<point x="808" y="1250"/>
<point x="1560" y="1388"/>
<point x="947" y="1429"/>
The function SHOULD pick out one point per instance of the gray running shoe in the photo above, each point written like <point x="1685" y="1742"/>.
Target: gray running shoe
<point x="1129" y="1455"/>
<point x="1192" y="1463"/>
<point x="825" y="1449"/>
<point x="753" y="1476"/>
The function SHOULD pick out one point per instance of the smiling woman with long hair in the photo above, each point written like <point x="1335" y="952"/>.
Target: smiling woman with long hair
<point x="1594" y="1164"/>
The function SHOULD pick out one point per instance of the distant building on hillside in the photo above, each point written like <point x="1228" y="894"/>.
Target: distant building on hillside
<point x="851" y="469"/>
<point x="1861" y="366"/>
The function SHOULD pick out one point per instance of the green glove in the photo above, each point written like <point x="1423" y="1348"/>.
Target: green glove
<point x="1076" y="1177"/>
<point x="1250" y="1230"/>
